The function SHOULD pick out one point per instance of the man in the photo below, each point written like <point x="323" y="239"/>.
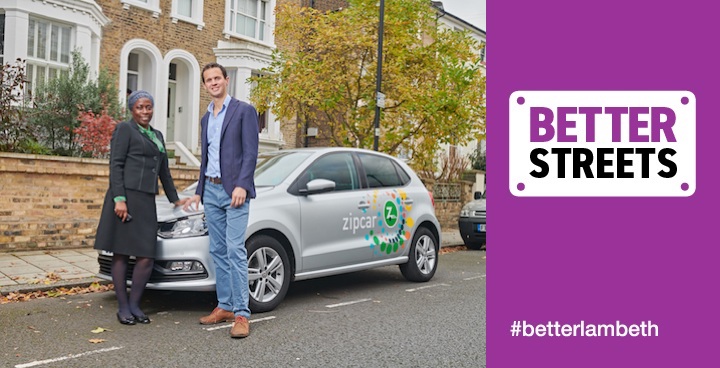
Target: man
<point x="229" y="154"/>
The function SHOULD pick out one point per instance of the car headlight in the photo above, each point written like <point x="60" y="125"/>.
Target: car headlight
<point x="465" y="211"/>
<point x="192" y="226"/>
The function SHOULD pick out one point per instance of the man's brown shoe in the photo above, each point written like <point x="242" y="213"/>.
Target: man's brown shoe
<point x="218" y="315"/>
<point x="241" y="328"/>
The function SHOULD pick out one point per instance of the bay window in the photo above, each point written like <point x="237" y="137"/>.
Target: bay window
<point x="49" y="47"/>
<point x="249" y="18"/>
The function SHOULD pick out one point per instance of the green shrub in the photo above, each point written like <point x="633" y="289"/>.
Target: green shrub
<point x="60" y="101"/>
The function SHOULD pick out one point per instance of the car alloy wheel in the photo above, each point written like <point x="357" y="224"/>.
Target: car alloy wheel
<point x="423" y="257"/>
<point x="268" y="273"/>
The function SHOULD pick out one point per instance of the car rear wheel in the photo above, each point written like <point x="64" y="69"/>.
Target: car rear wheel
<point x="268" y="273"/>
<point x="423" y="257"/>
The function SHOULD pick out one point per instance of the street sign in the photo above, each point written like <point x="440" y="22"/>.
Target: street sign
<point x="381" y="100"/>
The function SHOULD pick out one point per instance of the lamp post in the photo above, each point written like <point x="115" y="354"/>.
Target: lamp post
<point x="379" y="96"/>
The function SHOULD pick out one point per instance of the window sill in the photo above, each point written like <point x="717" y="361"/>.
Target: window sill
<point x="177" y="17"/>
<point x="238" y="36"/>
<point x="155" y="10"/>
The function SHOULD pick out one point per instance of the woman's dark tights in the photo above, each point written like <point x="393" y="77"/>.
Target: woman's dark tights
<point x="141" y="275"/>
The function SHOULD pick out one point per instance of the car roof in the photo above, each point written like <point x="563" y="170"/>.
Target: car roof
<point x="331" y="149"/>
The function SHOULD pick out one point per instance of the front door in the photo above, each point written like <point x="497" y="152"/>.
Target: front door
<point x="170" y="136"/>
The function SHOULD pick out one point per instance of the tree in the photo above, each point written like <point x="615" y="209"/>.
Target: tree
<point x="60" y="101"/>
<point x="324" y="69"/>
<point x="94" y="133"/>
<point x="15" y="134"/>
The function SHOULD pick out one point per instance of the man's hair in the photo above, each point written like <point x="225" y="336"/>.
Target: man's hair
<point x="214" y="65"/>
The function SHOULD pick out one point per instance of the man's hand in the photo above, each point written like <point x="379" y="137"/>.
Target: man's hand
<point x="238" y="197"/>
<point x="190" y="201"/>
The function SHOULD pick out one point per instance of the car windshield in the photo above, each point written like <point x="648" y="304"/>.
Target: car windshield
<point x="273" y="167"/>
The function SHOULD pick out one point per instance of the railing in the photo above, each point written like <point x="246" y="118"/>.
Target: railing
<point x="184" y="153"/>
<point x="447" y="192"/>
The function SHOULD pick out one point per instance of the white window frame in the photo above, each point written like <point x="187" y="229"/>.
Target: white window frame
<point x="152" y="6"/>
<point x="33" y="63"/>
<point x="232" y="11"/>
<point x="196" y="17"/>
<point x="136" y="73"/>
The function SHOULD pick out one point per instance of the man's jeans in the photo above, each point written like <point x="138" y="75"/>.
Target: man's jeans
<point x="227" y="226"/>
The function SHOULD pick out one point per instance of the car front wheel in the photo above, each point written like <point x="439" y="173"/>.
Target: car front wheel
<point x="268" y="273"/>
<point x="423" y="257"/>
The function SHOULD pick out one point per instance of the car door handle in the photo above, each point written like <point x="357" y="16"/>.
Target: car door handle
<point x="363" y="205"/>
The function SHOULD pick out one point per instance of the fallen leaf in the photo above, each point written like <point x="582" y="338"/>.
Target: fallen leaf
<point x="97" y="341"/>
<point x="99" y="330"/>
<point x="452" y="249"/>
<point x="57" y="292"/>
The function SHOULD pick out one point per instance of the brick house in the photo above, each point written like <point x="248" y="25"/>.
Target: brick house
<point x="156" y="45"/>
<point x="160" y="46"/>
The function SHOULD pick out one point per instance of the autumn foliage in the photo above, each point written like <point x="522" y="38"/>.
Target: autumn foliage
<point x="323" y="75"/>
<point x="94" y="133"/>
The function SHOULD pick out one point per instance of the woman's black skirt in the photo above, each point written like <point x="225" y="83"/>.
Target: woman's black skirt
<point x="137" y="237"/>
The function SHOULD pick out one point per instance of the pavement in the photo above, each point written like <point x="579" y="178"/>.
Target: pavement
<point x="40" y="270"/>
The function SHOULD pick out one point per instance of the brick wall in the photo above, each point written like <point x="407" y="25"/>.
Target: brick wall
<point x="448" y="212"/>
<point x="51" y="202"/>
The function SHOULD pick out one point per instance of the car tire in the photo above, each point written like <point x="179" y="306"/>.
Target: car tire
<point x="423" y="256"/>
<point x="268" y="273"/>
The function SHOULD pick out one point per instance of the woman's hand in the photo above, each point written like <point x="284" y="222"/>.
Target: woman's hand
<point x="121" y="210"/>
<point x="181" y="202"/>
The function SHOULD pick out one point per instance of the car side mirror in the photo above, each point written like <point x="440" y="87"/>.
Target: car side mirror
<point x="318" y="186"/>
<point x="478" y="195"/>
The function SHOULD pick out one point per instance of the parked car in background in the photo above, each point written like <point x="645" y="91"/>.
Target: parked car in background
<point x="318" y="212"/>
<point x="472" y="222"/>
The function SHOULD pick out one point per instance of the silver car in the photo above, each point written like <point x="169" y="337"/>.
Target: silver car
<point x="318" y="212"/>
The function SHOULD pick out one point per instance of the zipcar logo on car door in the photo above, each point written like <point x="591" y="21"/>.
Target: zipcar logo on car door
<point x="394" y="222"/>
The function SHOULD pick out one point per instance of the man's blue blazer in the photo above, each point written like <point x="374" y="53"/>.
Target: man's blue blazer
<point x="239" y="139"/>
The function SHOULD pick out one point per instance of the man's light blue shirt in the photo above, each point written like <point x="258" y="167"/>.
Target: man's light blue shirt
<point x="213" y="134"/>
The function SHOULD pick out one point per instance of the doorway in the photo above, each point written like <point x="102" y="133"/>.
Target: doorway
<point x="172" y="88"/>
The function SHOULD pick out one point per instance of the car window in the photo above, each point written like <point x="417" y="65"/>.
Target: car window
<point x="273" y="168"/>
<point x="383" y="172"/>
<point x="337" y="167"/>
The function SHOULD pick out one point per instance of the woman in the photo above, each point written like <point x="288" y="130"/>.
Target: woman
<point x="128" y="222"/>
